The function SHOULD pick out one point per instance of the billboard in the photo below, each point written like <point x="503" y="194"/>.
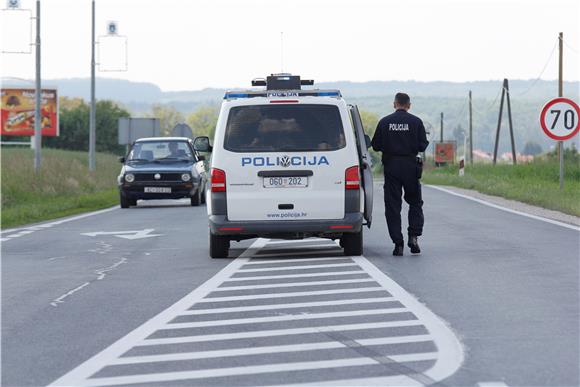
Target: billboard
<point x="132" y="129"/>
<point x="17" y="112"/>
<point x="445" y="152"/>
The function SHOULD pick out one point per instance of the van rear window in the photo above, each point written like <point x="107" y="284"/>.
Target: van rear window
<point x="284" y="128"/>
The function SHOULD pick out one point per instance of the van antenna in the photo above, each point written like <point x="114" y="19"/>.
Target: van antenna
<point x="282" y="52"/>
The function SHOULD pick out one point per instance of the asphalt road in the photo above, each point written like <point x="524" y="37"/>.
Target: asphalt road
<point x="494" y="298"/>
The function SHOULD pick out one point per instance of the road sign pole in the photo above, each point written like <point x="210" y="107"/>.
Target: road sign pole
<point x="470" y="130"/>
<point x="37" y="96"/>
<point x="560" y="94"/>
<point x="441" y="126"/>
<point x="92" y="114"/>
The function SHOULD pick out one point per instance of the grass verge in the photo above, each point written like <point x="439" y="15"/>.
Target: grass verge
<point x="63" y="187"/>
<point x="536" y="183"/>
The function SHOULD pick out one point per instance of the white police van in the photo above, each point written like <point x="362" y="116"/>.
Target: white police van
<point x="288" y="163"/>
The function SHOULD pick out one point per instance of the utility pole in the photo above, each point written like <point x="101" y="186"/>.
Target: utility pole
<point x="37" y="97"/>
<point x="92" y="114"/>
<point x="441" y="127"/>
<point x="560" y="94"/>
<point x="470" y="130"/>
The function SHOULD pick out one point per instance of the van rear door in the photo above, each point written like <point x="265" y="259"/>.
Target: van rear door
<point x="288" y="161"/>
<point x="365" y="163"/>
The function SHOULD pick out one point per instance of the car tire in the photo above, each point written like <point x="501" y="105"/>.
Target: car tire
<point x="196" y="199"/>
<point x="352" y="243"/>
<point x="124" y="201"/>
<point x="219" y="246"/>
<point x="203" y="196"/>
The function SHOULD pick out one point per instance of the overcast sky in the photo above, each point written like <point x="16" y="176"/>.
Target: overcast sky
<point x="185" y="45"/>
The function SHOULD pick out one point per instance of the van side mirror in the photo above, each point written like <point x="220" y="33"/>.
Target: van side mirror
<point x="122" y="159"/>
<point x="201" y="144"/>
<point x="368" y="141"/>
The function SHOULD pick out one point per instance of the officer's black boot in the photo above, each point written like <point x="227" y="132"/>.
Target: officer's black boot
<point x="398" y="251"/>
<point x="414" y="245"/>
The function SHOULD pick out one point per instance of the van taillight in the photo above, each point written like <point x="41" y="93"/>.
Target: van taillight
<point x="352" y="178"/>
<point x="218" y="180"/>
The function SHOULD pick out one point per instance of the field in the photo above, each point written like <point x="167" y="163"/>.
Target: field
<point x="63" y="187"/>
<point x="535" y="183"/>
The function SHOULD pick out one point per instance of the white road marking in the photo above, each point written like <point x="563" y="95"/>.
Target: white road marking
<point x="285" y="317"/>
<point x="43" y="226"/>
<point x="268" y="349"/>
<point x="297" y="267"/>
<point x="278" y="332"/>
<point x="288" y="306"/>
<point x="257" y="260"/>
<point x="249" y="370"/>
<point x="326" y="273"/>
<point x="492" y="384"/>
<point x="447" y="359"/>
<point x="294" y="284"/>
<point x="486" y="203"/>
<point x="101" y="273"/>
<point x="376" y="288"/>
<point x="61" y="299"/>
<point x="131" y="235"/>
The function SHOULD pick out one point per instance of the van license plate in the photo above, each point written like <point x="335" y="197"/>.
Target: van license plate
<point x="158" y="189"/>
<point x="286" y="182"/>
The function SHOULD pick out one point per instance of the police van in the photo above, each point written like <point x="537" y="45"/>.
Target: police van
<point x="288" y="163"/>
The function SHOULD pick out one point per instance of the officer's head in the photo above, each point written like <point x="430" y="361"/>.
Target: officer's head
<point x="402" y="101"/>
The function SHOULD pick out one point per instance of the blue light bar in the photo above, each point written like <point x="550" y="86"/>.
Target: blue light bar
<point x="290" y="93"/>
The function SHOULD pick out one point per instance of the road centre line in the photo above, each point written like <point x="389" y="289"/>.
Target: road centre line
<point x="326" y="273"/>
<point x="269" y="349"/>
<point x="249" y="370"/>
<point x="278" y="332"/>
<point x="294" y="284"/>
<point x="496" y="206"/>
<point x="288" y="306"/>
<point x="258" y="261"/>
<point x="296" y="267"/>
<point x="376" y="288"/>
<point x="286" y="317"/>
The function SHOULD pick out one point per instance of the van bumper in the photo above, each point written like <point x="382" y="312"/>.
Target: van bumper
<point x="286" y="229"/>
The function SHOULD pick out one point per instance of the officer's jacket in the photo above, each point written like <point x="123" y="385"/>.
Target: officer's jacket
<point x="400" y="134"/>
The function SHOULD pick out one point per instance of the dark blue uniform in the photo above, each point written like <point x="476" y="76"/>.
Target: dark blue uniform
<point x="401" y="136"/>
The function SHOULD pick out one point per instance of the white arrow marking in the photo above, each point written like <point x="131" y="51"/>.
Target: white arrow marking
<point x="139" y="234"/>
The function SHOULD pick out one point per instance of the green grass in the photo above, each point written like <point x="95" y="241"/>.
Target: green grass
<point x="63" y="187"/>
<point x="535" y="183"/>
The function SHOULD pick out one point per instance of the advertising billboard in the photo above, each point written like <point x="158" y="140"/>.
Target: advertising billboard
<point x="17" y="112"/>
<point x="444" y="152"/>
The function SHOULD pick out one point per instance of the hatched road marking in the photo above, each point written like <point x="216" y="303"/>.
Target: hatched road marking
<point x="319" y="321"/>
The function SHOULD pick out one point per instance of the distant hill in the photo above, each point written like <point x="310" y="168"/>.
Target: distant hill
<point x="428" y="98"/>
<point x="142" y="94"/>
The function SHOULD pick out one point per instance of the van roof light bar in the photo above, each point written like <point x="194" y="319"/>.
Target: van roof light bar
<point x="282" y="81"/>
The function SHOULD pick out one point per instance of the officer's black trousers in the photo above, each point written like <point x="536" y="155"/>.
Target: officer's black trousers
<point x="402" y="174"/>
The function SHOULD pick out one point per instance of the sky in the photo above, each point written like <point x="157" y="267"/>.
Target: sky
<point x="189" y="45"/>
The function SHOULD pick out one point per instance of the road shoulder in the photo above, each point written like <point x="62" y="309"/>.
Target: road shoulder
<point x="513" y="205"/>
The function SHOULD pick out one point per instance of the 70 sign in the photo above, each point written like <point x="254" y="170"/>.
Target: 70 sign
<point x="560" y="119"/>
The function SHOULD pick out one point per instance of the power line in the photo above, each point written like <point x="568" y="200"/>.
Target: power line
<point x="542" y="72"/>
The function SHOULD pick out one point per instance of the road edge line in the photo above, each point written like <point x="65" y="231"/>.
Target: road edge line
<point x="502" y="208"/>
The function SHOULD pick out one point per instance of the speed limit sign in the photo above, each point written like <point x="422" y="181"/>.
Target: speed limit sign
<point x="560" y="119"/>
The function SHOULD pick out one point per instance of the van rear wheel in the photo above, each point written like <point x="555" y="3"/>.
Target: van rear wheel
<point x="352" y="243"/>
<point x="219" y="246"/>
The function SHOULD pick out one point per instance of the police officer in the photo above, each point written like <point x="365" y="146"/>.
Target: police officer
<point x="401" y="136"/>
